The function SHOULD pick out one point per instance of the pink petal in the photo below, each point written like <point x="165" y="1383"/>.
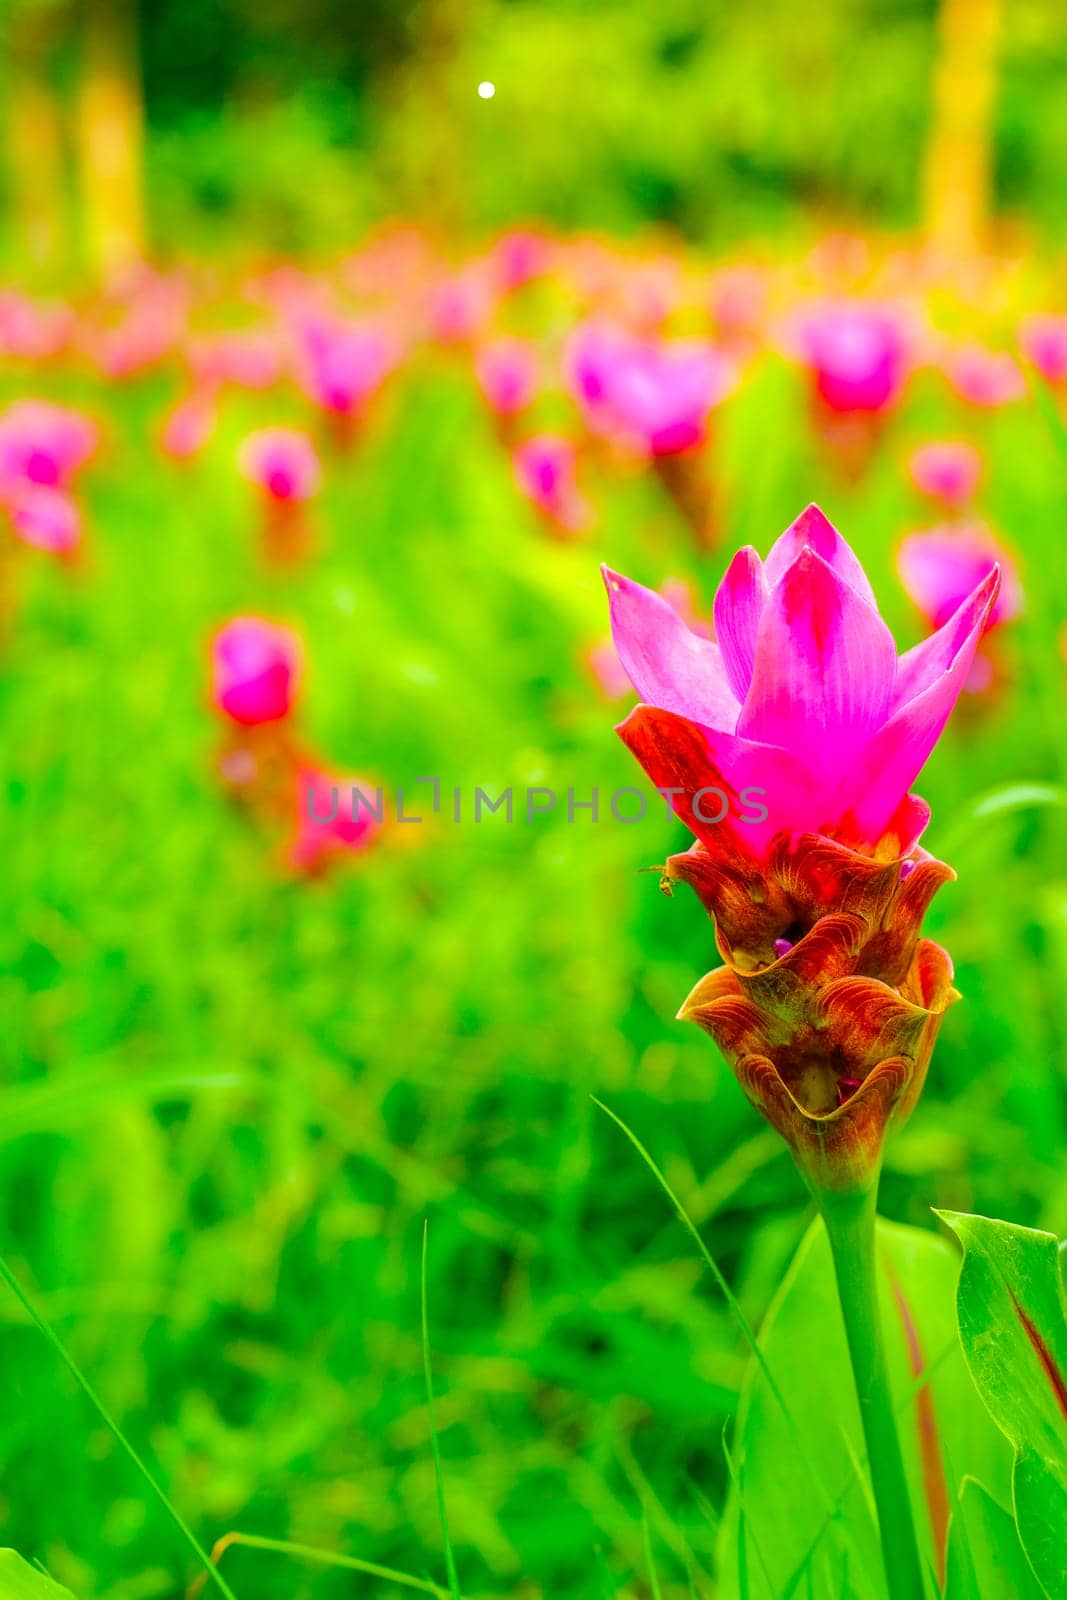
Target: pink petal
<point x="920" y="668"/>
<point x="899" y="751"/>
<point x="824" y="669"/>
<point x="816" y="531"/>
<point x="670" y="666"/>
<point x="739" y="602"/>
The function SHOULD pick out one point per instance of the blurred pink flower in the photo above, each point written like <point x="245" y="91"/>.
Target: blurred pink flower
<point x="255" y="671"/>
<point x="189" y="425"/>
<point x="985" y="378"/>
<point x="802" y="698"/>
<point x="248" y="358"/>
<point x="44" y="443"/>
<point x="655" y="396"/>
<point x="546" y="472"/>
<point x="506" y="370"/>
<point x="520" y="256"/>
<point x="939" y="567"/>
<point x="859" y="354"/>
<point x="31" y="330"/>
<point x="282" y="462"/>
<point x="46" y="518"/>
<point x="342" y="364"/>
<point x="460" y="306"/>
<point x="1044" y="342"/>
<point x="334" y="816"/>
<point x="947" y="470"/>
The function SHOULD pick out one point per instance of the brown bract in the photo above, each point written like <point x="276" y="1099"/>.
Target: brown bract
<point x="829" y="1002"/>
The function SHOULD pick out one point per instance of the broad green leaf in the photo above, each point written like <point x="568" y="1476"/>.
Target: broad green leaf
<point x="945" y="1431"/>
<point x="985" y="1559"/>
<point x="1014" y="1336"/>
<point x="20" y="1581"/>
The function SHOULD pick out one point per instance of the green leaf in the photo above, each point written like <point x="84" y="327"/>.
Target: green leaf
<point x="20" y="1581"/>
<point x="945" y="1431"/>
<point x="1014" y="1336"/>
<point x="985" y="1559"/>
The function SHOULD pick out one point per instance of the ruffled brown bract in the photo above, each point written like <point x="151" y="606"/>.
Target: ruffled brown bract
<point x="829" y="1002"/>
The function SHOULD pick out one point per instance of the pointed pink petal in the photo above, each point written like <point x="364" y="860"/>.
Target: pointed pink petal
<point x="680" y="755"/>
<point x="738" y="604"/>
<point x="669" y="665"/>
<point x="899" y="751"/>
<point x="816" y="531"/>
<point x="824" y="670"/>
<point x="919" y="668"/>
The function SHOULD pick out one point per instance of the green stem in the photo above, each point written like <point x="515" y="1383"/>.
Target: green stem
<point x="850" y="1223"/>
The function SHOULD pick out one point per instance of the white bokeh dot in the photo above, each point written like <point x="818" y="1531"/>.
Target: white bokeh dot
<point x="487" y="90"/>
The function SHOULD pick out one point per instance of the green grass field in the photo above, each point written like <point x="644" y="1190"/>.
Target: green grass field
<point x="233" y="1099"/>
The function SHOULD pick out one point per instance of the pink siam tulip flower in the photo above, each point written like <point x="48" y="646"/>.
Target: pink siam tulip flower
<point x="738" y="305"/>
<point x="507" y="374"/>
<point x="803" y="697"/>
<point x="342" y="365"/>
<point x="44" y="443"/>
<point x="282" y="462"/>
<point x="546" y="472"/>
<point x="1044" y="342"/>
<point x="655" y="397"/>
<point x="189" y="425"/>
<point x="46" y="518"/>
<point x="947" y="471"/>
<point x="985" y="378"/>
<point x="859" y="355"/>
<point x="256" y="669"/>
<point x="332" y="820"/>
<point x="939" y="568"/>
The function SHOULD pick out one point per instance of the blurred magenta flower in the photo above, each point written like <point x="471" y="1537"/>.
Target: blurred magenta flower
<point x="802" y="696"/>
<point x="255" y="671"/>
<point x="985" y="378"/>
<point x="342" y="365"/>
<point x="948" y="471"/>
<point x="46" y="518"/>
<point x="44" y="443"/>
<point x="330" y="820"/>
<point x="652" y="396"/>
<point x="1044" y="342"/>
<point x="506" y="369"/>
<point x="546" y="472"/>
<point x="940" y="567"/>
<point x="282" y="462"/>
<point x="859" y="354"/>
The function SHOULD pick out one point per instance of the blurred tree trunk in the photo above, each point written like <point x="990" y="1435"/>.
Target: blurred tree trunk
<point x="110" y="120"/>
<point x="958" y="175"/>
<point x="34" y="139"/>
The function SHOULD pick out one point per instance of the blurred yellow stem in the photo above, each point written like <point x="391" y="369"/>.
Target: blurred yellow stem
<point x="958" y="165"/>
<point x="110" y="124"/>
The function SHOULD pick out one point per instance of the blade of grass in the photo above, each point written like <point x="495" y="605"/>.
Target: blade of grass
<point x="91" y="1395"/>
<point x="450" y="1560"/>
<point x="326" y="1558"/>
<point x="653" y="1577"/>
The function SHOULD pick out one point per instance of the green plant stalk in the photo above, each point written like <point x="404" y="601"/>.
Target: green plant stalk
<point x="850" y="1223"/>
